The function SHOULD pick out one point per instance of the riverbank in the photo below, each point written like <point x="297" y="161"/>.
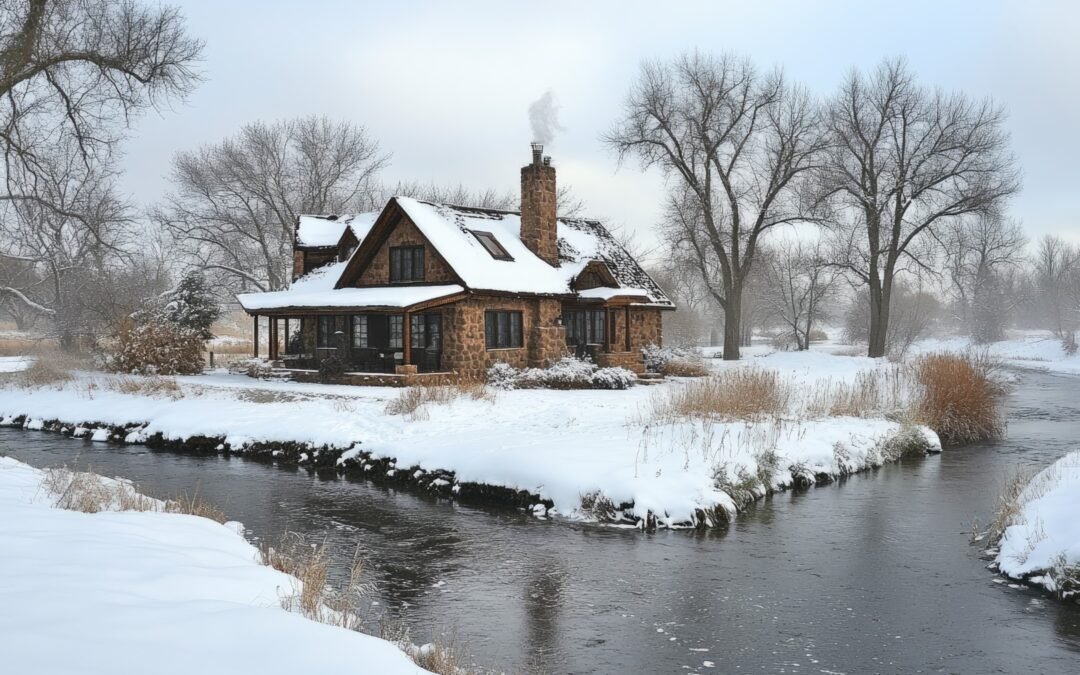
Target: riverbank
<point x="590" y="455"/>
<point x="122" y="591"/>
<point x="1040" y="531"/>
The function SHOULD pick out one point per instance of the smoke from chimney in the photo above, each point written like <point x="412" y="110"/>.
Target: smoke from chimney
<point x="544" y="118"/>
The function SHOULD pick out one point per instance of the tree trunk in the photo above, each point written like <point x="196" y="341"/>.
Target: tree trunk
<point x="879" y="319"/>
<point x="733" y="325"/>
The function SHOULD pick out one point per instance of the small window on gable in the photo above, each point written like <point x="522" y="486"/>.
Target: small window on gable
<point x="492" y="245"/>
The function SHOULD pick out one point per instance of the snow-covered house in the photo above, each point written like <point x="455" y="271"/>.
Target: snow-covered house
<point x="424" y="287"/>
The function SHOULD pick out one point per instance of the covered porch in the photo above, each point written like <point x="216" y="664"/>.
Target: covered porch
<point x="598" y="326"/>
<point x="382" y="332"/>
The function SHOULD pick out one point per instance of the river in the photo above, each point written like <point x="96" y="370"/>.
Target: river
<point x="872" y="575"/>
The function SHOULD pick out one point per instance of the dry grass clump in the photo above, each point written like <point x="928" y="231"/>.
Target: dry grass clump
<point x="748" y="393"/>
<point x="685" y="367"/>
<point x="957" y="397"/>
<point x="412" y="400"/>
<point x="1008" y="506"/>
<point x="88" y="492"/>
<point x="876" y="392"/>
<point x="49" y="367"/>
<point x="154" y="385"/>
<point x="313" y="597"/>
<point x="18" y="346"/>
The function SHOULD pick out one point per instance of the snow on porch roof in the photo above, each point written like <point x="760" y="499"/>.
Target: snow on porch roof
<point x="399" y="297"/>
<point x="314" y="231"/>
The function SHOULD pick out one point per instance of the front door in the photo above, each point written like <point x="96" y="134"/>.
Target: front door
<point x="425" y="341"/>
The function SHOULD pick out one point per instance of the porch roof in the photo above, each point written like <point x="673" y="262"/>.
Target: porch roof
<point x="372" y="297"/>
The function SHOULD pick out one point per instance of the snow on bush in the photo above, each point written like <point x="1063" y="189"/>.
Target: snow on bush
<point x="155" y="347"/>
<point x="190" y="305"/>
<point x="567" y="373"/>
<point x="676" y="361"/>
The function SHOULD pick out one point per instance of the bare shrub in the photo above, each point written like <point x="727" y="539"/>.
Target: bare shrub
<point x="958" y="398"/>
<point x="90" y="493"/>
<point x="734" y="394"/>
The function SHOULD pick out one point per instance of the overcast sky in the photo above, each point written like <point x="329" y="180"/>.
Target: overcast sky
<point x="445" y="86"/>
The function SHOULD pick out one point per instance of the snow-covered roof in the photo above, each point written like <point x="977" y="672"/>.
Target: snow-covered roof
<point x="366" y="297"/>
<point x="451" y="230"/>
<point x="314" y="231"/>
<point x="605" y="293"/>
<point x="316" y="289"/>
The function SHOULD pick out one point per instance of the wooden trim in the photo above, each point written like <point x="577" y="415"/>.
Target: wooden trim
<point x="406" y="339"/>
<point x="255" y="338"/>
<point x="627" y="310"/>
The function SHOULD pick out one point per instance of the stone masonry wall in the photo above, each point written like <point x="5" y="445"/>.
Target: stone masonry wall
<point x="464" y="346"/>
<point x="538" y="221"/>
<point x="406" y="234"/>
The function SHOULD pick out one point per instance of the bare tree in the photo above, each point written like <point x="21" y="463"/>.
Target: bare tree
<point x="233" y="205"/>
<point x="980" y="252"/>
<point x="1057" y="280"/>
<point x="72" y="226"/>
<point x="799" y="282"/>
<point x="737" y="145"/>
<point x="82" y="69"/>
<point x="903" y="163"/>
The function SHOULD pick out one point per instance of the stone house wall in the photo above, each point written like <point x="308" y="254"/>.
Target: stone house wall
<point x="406" y="233"/>
<point x="464" y="344"/>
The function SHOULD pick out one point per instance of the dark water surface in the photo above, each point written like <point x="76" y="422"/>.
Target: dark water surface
<point x="871" y="576"/>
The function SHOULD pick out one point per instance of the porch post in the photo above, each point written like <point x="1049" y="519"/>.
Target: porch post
<point x="286" y="335"/>
<point x="607" y="328"/>
<point x="628" y="328"/>
<point x="255" y="338"/>
<point x="406" y="339"/>
<point x="273" y="338"/>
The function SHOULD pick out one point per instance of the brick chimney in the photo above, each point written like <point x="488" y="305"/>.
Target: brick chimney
<point x="538" y="206"/>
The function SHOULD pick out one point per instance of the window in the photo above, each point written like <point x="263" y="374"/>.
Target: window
<point x="397" y="331"/>
<point x="406" y="263"/>
<point x="360" y="331"/>
<point x="585" y="326"/>
<point x="425" y="331"/>
<point x="324" y="332"/>
<point x="492" y="245"/>
<point x="502" y="330"/>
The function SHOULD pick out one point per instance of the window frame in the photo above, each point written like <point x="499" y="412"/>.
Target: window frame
<point x="504" y="329"/>
<point x="396" y="331"/>
<point x="407" y="264"/>
<point x="323" y="337"/>
<point x="489" y="242"/>
<point x="360" y="336"/>
<point x="593" y="322"/>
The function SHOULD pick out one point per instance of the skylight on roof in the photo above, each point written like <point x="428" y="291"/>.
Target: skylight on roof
<point x="491" y="245"/>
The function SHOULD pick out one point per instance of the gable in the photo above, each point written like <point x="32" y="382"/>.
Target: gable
<point x="401" y="232"/>
<point x="595" y="274"/>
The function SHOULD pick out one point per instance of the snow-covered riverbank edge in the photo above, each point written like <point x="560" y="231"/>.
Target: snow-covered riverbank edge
<point x="1040" y="544"/>
<point x="577" y="454"/>
<point x="132" y="592"/>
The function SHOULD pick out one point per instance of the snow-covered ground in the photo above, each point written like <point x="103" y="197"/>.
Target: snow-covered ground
<point x="1042" y="543"/>
<point x="138" y="592"/>
<point x="14" y="364"/>
<point x="1033" y="350"/>
<point x="559" y="445"/>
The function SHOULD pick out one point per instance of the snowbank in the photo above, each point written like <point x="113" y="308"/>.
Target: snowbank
<point x="555" y="445"/>
<point x="135" y="592"/>
<point x="1042" y="543"/>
